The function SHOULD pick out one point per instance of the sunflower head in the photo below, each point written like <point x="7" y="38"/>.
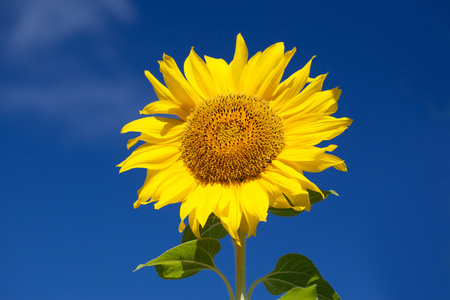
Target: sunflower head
<point x="240" y="140"/>
<point x="231" y="138"/>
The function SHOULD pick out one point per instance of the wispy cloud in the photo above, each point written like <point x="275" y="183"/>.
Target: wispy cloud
<point x="45" y="23"/>
<point x="87" y="109"/>
<point x="76" y="90"/>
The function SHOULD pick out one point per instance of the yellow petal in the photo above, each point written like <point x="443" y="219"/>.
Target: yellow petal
<point x="203" y="199"/>
<point x="339" y="166"/>
<point x="177" y="84"/>
<point x="176" y="188"/>
<point x="206" y="198"/>
<point x="199" y="76"/>
<point x="166" y="107"/>
<point x="249" y="224"/>
<point x="259" y="68"/>
<point x="174" y="140"/>
<point x="292" y="85"/>
<point x="187" y="206"/>
<point x="155" y="130"/>
<point x="194" y="224"/>
<point x="320" y="102"/>
<point x="229" y="210"/>
<point x="290" y="187"/>
<point x="255" y="203"/>
<point x="145" y="192"/>
<point x="254" y="200"/>
<point x="230" y="228"/>
<point x="132" y="142"/>
<point x="219" y="70"/>
<point x="289" y="108"/>
<point x="238" y="63"/>
<point x="162" y="181"/>
<point x="312" y="129"/>
<point x="311" y="159"/>
<point x="150" y="157"/>
<point x="304" y="153"/>
<point x="289" y="171"/>
<point x="158" y="127"/>
<point x="244" y="78"/>
<point x="136" y="204"/>
<point x="181" y="226"/>
<point x="270" y="83"/>
<point x="161" y="91"/>
<point x="276" y="197"/>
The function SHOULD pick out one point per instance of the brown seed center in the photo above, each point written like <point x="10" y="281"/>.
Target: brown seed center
<point x="231" y="138"/>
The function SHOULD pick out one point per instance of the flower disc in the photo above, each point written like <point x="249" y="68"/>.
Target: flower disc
<point x="231" y="138"/>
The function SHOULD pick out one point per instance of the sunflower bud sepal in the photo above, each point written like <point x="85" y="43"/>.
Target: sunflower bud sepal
<point x="314" y="197"/>
<point x="212" y="229"/>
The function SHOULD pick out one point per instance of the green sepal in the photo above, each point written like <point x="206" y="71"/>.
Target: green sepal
<point x="213" y="229"/>
<point x="295" y="270"/>
<point x="308" y="293"/>
<point x="314" y="197"/>
<point x="185" y="260"/>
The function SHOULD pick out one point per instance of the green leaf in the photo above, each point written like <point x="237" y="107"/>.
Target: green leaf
<point x="283" y="212"/>
<point x="185" y="260"/>
<point x="314" y="197"/>
<point x="297" y="293"/>
<point x="295" y="270"/>
<point x="213" y="229"/>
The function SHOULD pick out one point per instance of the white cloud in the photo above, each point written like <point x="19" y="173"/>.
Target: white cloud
<point x="77" y="91"/>
<point x="87" y="109"/>
<point x="44" y="23"/>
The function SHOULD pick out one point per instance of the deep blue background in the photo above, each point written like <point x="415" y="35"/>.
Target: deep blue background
<point x="72" y="74"/>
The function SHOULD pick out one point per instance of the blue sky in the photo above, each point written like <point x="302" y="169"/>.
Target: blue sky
<point x="72" y="74"/>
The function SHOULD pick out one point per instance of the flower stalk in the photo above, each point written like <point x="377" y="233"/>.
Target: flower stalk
<point x="240" y="266"/>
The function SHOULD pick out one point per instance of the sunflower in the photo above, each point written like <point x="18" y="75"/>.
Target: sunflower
<point x="239" y="141"/>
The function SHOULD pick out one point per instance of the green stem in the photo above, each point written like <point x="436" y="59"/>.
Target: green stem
<point x="230" y="290"/>
<point x="240" y="266"/>
<point x="250" y="290"/>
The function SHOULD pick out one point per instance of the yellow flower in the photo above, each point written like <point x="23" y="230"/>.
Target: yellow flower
<point x="240" y="138"/>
